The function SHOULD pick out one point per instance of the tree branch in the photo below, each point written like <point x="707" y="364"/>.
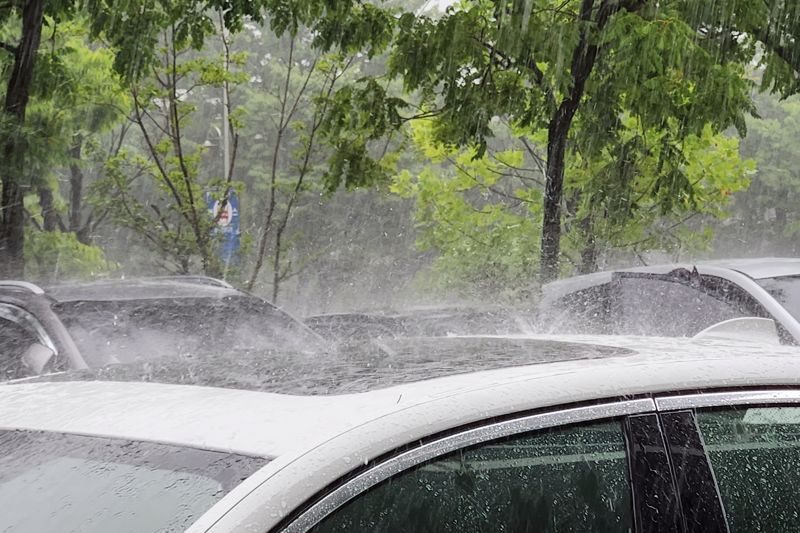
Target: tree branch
<point x="10" y="48"/>
<point x="267" y="225"/>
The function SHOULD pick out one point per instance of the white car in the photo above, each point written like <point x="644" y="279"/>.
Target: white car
<point x="610" y="435"/>
<point x="676" y="299"/>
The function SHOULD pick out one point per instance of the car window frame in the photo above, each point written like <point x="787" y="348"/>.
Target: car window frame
<point x="689" y="403"/>
<point x="323" y="504"/>
<point x="28" y="322"/>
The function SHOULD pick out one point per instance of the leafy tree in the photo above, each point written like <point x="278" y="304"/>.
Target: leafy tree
<point x="620" y="203"/>
<point x="158" y="189"/>
<point x="52" y="255"/>
<point x="481" y="214"/>
<point x="579" y="69"/>
<point x="86" y="101"/>
<point x="76" y="97"/>
<point x="130" y="29"/>
<point x="287" y="108"/>
<point x="598" y="64"/>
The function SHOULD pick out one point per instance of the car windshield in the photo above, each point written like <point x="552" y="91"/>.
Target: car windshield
<point x="132" y="330"/>
<point x="786" y="290"/>
<point x="55" y="483"/>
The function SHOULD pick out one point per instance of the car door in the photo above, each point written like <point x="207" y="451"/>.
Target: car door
<point x="600" y="468"/>
<point x="745" y="447"/>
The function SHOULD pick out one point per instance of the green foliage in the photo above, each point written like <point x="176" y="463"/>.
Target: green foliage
<point x="74" y="92"/>
<point x="481" y="214"/>
<point x="133" y="28"/>
<point x="358" y="115"/>
<point x="481" y="221"/>
<point x="156" y="187"/>
<point x="758" y="34"/>
<point x="642" y="196"/>
<point x="623" y="96"/>
<point x="53" y="255"/>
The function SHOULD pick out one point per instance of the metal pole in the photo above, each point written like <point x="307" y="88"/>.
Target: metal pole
<point x="226" y="150"/>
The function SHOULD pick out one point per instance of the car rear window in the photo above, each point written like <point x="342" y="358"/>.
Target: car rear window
<point x="123" y="331"/>
<point x="51" y="482"/>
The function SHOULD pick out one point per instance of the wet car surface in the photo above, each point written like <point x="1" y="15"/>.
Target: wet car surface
<point x="357" y="367"/>
<point x="421" y="322"/>
<point x="675" y="300"/>
<point x="97" y="484"/>
<point x="100" y="323"/>
<point x="540" y="419"/>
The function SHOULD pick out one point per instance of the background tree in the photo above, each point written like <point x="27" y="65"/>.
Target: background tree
<point x="287" y="106"/>
<point x="158" y="189"/>
<point x="131" y="31"/>
<point x="77" y="97"/>
<point x="765" y="218"/>
<point x="598" y="62"/>
<point x="481" y="213"/>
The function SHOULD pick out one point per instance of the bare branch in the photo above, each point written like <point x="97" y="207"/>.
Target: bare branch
<point x="151" y="147"/>
<point x="267" y="224"/>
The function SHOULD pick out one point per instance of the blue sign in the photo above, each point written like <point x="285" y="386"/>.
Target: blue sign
<point x="227" y="226"/>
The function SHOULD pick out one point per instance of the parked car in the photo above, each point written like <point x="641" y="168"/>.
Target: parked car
<point x="610" y="435"/>
<point x="434" y="321"/>
<point x="676" y="299"/>
<point x="98" y="323"/>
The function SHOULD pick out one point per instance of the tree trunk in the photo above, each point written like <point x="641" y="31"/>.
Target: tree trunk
<point x="12" y="222"/>
<point x="276" y="273"/>
<point x="76" y="185"/>
<point x="553" y="192"/>
<point x="589" y="251"/>
<point x="582" y="64"/>
<point x="51" y="221"/>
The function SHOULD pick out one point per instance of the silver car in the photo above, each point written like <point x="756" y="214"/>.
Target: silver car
<point x="540" y="434"/>
<point x="87" y="325"/>
<point x="676" y="300"/>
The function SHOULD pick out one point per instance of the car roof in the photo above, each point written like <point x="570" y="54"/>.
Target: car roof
<point x="419" y="311"/>
<point x="353" y="367"/>
<point x="271" y="424"/>
<point x="142" y="289"/>
<point x="758" y="268"/>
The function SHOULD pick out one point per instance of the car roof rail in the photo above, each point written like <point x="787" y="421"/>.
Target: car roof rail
<point x="25" y="285"/>
<point x="199" y="280"/>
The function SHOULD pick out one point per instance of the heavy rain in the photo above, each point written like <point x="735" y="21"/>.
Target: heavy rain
<point x="382" y="265"/>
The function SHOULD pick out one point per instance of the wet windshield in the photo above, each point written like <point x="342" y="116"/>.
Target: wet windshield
<point x="786" y="290"/>
<point x="54" y="483"/>
<point x="131" y="330"/>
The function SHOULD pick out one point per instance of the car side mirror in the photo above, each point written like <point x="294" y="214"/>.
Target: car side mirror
<point x="748" y="329"/>
<point x="37" y="358"/>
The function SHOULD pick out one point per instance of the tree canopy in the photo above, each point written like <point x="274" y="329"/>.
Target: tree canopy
<point x="533" y="137"/>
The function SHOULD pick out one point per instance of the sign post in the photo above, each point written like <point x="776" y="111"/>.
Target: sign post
<point x="227" y="226"/>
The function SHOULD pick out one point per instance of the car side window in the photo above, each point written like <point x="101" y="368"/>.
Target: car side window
<point x="14" y="340"/>
<point x="570" y="479"/>
<point x="754" y="454"/>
